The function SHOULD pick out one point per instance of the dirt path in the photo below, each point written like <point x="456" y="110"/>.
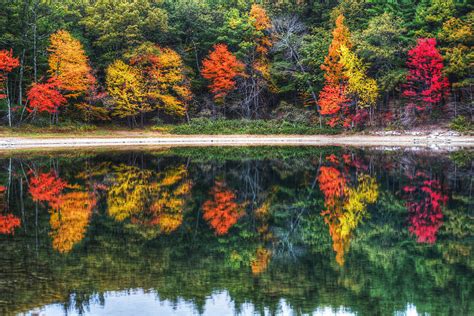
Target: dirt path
<point x="442" y="142"/>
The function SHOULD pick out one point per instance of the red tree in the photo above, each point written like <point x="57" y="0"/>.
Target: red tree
<point x="426" y="85"/>
<point x="7" y="64"/>
<point x="8" y="223"/>
<point x="45" y="97"/>
<point x="221" y="68"/>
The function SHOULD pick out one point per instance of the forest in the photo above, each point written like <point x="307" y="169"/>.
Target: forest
<point x="331" y="65"/>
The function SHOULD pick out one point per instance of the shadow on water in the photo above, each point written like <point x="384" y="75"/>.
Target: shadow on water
<point x="240" y="230"/>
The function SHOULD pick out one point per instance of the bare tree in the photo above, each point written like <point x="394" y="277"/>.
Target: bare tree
<point x="288" y="32"/>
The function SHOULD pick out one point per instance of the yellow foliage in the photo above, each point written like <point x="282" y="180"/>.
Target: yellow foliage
<point x="69" y="64"/>
<point x="358" y="83"/>
<point x="70" y="220"/>
<point x="125" y="87"/>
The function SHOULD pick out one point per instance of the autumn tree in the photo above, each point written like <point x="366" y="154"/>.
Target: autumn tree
<point x="7" y="63"/>
<point x="361" y="90"/>
<point x="69" y="65"/>
<point x="126" y="90"/>
<point x="347" y="90"/>
<point x="426" y="86"/>
<point x="333" y="95"/>
<point x="45" y="97"/>
<point x="8" y="223"/>
<point x="221" y="68"/>
<point x="221" y="211"/>
<point x="163" y="72"/>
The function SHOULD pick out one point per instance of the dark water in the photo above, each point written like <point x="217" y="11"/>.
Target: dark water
<point x="247" y="231"/>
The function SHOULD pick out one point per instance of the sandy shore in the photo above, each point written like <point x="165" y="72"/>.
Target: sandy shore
<point x="430" y="141"/>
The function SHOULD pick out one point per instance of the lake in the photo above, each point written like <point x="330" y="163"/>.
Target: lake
<point x="237" y="230"/>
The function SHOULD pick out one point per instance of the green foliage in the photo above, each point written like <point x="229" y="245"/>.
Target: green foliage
<point x="257" y="127"/>
<point x="462" y="124"/>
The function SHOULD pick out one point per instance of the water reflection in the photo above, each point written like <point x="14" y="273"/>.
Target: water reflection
<point x="287" y="229"/>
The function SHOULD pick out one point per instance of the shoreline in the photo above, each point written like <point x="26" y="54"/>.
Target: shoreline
<point x="424" y="141"/>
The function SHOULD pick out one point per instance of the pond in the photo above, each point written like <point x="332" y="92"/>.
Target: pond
<point x="223" y="231"/>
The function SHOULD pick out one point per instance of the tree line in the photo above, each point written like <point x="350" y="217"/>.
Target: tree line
<point x="347" y="63"/>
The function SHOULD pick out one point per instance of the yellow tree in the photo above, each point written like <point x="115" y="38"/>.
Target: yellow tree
<point x="125" y="87"/>
<point x="164" y="78"/>
<point x="69" y="65"/>
<point x="360" y="88"/>
<point x="69" y="221"/>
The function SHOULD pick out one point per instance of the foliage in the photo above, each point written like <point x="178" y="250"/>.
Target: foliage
<point x="221" y="68"/>
<point x="164" y="80"/>
<point x="8" y="223"/>
<point x="462" y="124"/>
<point x="7" y="63"/>
<point x="126" y="90"/>
<point x="253" y="55"/>
<point x="426" y="86"/>
<point x="45" y="97"/>
<point x="69" y="65"/>
<point x="256" y="127"/>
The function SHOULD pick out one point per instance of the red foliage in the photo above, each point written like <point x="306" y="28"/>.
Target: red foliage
<point x="424" y="202"/>
<point x="47" y="187"/>
<point x="8" y="223"/>
<point x="222" y="212"/>
<point x="45" y="97"/>
<point x="221" y="68"/>
<point x="426" y="85"/>
<point x="7" y="64"/>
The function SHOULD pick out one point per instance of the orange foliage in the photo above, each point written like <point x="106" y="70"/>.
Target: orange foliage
<point x="45" y="97"/>
<point x="222" y="212"/>
<point x="47" y="187"/>
<point x="261" y="22"/>
<point x="69" y="64"/>
<point x="7" y="64"/>
<point x="69" y="222"/>
<point x="8" y="223"/>
<point x="221" y="68"/>
<point x="332" y="96"/>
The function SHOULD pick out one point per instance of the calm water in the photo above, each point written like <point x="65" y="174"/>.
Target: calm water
<point x="244" y="231"/>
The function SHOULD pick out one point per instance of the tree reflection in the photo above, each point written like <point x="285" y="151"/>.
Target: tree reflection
<point x="70" y="220"/>
<point x="346" y="205"/>
<point x="8" y="222"/>
<point x="149" y="199"/>
<point x="424" y="200"/>
<point x="221" y="211"/>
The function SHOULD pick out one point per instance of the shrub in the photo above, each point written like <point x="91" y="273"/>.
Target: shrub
<point x="462" y="124"/>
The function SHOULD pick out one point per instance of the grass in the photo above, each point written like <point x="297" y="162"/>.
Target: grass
<point x="242" y="127"/>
